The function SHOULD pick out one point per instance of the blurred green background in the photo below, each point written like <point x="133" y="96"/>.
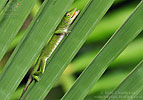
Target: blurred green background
<point x="118" y="70"/>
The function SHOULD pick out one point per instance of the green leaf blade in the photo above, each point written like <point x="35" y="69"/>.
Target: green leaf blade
<point x="139" y="96"/>
<point x="129" y="30"/>
<point x="12" y="21"/>
<point x="2" y="4"/>
<point x="130" y="87"/>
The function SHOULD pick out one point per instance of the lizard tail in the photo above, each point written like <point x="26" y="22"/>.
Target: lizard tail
<point x="26" y="87"/>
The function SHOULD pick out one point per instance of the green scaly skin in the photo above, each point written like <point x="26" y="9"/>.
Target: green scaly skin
<point x="47" y="51"/>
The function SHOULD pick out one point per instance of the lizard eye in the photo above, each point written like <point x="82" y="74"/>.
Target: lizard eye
<point x="68" y="14"/>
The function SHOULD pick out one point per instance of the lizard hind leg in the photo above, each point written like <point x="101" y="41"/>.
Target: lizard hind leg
<point x="36" y="77"/>
<point x="41" y="70"/>
<point x="43" y="65"/>
<point x="36" y="74"/>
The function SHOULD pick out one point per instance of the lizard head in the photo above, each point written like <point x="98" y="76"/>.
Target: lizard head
<point x="70" y="16"/>
<point x="67" y="21"/>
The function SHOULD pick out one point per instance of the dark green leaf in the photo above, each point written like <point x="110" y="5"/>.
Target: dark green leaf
<point x="82" y="29"/>
<point x="27" y="51"/>
<point x="117" y="43"/>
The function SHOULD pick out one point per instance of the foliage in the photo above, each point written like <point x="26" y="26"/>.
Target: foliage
<point x="102" y="68"/>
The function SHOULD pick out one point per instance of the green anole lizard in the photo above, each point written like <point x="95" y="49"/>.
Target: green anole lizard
<point x="59" y="34"/>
